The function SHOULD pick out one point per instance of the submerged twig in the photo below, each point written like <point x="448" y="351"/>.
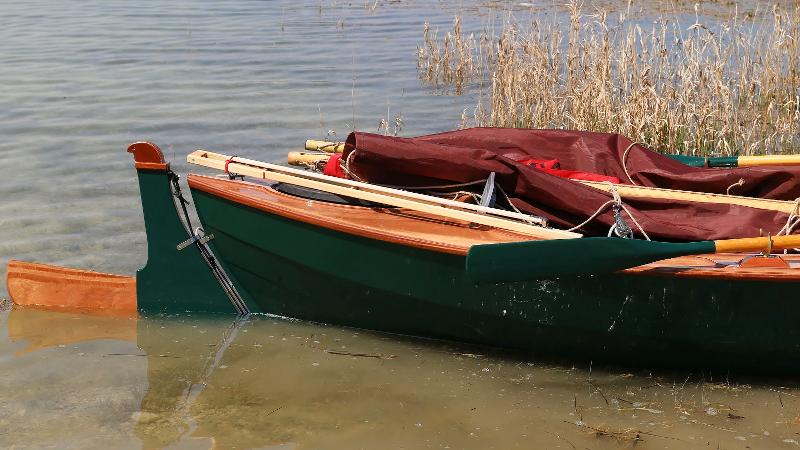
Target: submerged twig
<point x="363" y="355"/>
<point x="629" y="434"/>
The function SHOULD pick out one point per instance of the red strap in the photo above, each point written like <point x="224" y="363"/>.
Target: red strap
<point x="333" y="168"/>
<point x="228" y="161"/>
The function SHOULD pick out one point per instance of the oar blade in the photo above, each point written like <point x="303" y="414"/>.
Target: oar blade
<point x="46" y="286"/>
<point x="529" y="260"/>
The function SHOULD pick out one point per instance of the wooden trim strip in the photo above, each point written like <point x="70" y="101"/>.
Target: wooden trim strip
<point x="161" y="167"/>
<point x="674" y="268"/>
<point x="378" y="194"/>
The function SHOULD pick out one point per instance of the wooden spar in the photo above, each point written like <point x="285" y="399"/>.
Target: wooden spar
<point x="629" y="191"/>
<point x="379" y="194"/>
<point x="388" y="191"/>
<point x="325" y="146"/>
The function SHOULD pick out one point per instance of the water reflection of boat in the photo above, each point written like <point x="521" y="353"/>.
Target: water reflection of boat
<point x="180" y="367"/>
<point x="402" y="270"/>
<point x="46" y="328"/>
<point x="284" y="385"/>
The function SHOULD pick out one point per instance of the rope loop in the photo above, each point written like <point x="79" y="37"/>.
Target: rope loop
<point x="792" y="222"/>
<point x="625" y="160"/>
<point x="346" y="166"/>
<point x="620" y="228"/>
<point x="738" y="183"/>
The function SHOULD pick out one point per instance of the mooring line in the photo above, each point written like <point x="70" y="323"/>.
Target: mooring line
<point x="200" y="241"/>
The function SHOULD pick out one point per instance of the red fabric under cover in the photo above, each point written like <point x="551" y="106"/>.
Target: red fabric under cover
<point x="333" y="166"/>
<point x="578" y="175"/>
<point x="540" y="163"/>
<point x="469" y="155"/>
<point x="552" y="167"/>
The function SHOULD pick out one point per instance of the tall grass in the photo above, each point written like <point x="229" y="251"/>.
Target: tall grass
<point x="728" y="87"/>
<point x="451" y="62"/>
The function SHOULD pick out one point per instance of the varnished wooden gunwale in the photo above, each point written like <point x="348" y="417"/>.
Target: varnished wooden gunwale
<point x="419" y="230"/>
<point x="455" y="237"/>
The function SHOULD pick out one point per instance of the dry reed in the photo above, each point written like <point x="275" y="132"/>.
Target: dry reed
<point x="451" y="63"/>
<point x="728" y="87"/>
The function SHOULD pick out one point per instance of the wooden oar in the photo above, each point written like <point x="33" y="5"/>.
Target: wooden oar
<point x="325" y="146"/>
<point x="629" y="191"/>
<point x="388" y="196"/>
<point x="738" y="161"/>
<point x="306" y="158"/>
<point x="529" y="260"/>
<point x="625" y="190"/>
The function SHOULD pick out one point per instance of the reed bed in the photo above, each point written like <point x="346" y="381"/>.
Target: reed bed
<point x="726" y="88"/>
<point x="453" y="62"/>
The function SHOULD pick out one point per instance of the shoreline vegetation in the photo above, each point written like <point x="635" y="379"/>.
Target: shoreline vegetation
<point x="678" y="84"/>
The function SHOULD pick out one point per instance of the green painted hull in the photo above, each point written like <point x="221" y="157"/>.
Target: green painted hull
<point x="303" y="271"/>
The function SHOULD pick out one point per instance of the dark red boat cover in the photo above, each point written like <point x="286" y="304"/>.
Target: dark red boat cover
<point x="469" y="155"/>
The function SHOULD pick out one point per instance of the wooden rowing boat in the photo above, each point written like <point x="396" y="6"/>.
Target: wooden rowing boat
<point x="401" y="269"/>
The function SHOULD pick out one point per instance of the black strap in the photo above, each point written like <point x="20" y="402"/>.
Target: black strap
<point x="224" y="281"/>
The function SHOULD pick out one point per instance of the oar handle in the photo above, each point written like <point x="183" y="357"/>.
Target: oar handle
<point x="305" y="158"/>
<point x="325" y="146"/>
<point x="738" y="161"/>
<point x="768" y="160"/>
<point x="765" y="244"/>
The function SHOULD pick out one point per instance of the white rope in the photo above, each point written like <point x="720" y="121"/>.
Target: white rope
<point x="455" y="195"/>
<point x="738" y="183"/>
<point x="616" y="200"/>
<point x="625" y="160"/>
<point x="508" y="200"/>
<point x="346" y="167"/>
<point x="792" y="221"/>
<point x="635" y="221"/>
<point x="596" y="213"/>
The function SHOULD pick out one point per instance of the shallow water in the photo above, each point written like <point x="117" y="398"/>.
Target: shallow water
<point x="78" y="381"/>
<point x="80" y="81"/>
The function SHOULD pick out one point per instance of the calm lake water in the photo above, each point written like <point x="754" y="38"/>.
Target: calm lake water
<point x="80" y="81"/>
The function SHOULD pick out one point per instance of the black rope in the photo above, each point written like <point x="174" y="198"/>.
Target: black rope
<point x="227" y="285"/>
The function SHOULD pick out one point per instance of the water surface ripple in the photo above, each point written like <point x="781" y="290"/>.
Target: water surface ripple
<point x="79" y="81"/>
